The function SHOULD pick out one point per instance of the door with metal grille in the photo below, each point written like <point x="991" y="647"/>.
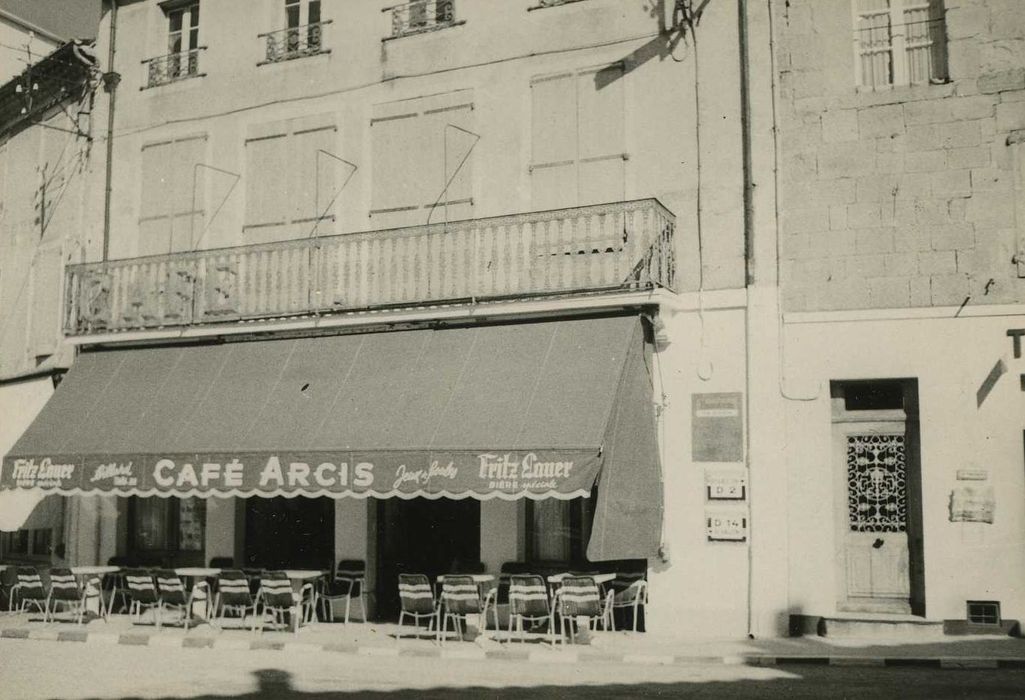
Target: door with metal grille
<point x="876" y="556"/>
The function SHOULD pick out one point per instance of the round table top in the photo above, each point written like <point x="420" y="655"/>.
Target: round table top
<point x="598" y="578"/>
<point x="94" y="570"/>
<point x="303" y="574"/>
<point x="477" y="578"/>
<point x="197" y="571"/>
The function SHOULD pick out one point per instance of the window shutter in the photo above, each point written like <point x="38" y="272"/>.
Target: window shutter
<point x="601" y="138"/>
<point x="46" y="301"/>
<point x="267" y="165"/>
<point x="315" y="178"/>
<point x="167" y="213"/>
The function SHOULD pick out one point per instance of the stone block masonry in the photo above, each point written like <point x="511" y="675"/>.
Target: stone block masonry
<point x="904" y="196"/>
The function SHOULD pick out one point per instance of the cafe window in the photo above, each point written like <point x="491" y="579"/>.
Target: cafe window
<point x="559" y="530"/>
<point x="167" y="526"/>
<point x="28" y="543"/>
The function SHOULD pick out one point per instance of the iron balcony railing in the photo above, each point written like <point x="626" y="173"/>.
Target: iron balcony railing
<point x="602" y="248"/>
<point x="172" y="67"/>
<point x="421" y="16"/>
<point x="294" y="42"/>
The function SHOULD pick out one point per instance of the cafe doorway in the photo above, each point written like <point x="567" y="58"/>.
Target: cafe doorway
<point x="422" y="536"/>
<point x="290" y="533"/>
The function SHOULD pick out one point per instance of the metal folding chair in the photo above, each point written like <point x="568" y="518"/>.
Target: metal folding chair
<point x="30" y="590"/>
<point x="528" y="600"/>
<point x="633" y="597"/>
<point x="416" y="598"/>
<point x="142" y="594"/>
<point x="174" y="596"/>
<point x="277" y="597"/>
<point x="65" y="590"/>
<point x="349" y="582"/>
<point x="233" y="595"/>
<point x="579" y="596"/>
<point x="460" y="597"/>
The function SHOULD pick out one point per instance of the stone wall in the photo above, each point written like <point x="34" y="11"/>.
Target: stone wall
<point x="901" y="197"/>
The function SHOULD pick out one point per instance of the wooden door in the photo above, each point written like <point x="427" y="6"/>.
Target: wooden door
<point x="873" y="519"/>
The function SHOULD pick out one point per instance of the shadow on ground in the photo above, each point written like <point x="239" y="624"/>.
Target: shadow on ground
<point x="801" y="682"/>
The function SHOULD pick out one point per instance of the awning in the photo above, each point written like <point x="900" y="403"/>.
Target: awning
<point x="518" y="410"/>
<point x="17" y="508"/>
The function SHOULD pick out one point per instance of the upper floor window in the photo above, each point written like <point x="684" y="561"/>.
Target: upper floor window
<point x="182" y="58"/>
<point x="899" y="42"/>
<point x="303" y="34"/>
<point x="421" y="16"/>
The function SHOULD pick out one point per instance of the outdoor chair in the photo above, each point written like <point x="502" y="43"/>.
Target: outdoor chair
<point x="233" y="595"/>
<point x="579" y="596"/>
<point x="416" y="598"/>
<point x="349" y="582"/>
<point x="277" y="598"/>
<point x="142" y="594"/>
<point x="634" y="597"/>
<point x="174" y="596"/>
<point x="30" y="590"/>
<point x="528" y="600"/>
<point x="460" y="597"/>
<point x="114" y="586"/>
<point x="8" y="587"/>
<point x="65" y="590"/>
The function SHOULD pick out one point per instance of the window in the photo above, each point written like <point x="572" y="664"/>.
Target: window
<point x="899" y="42"/>
<point x="291" y="179"/>
<point x="168" y="529"/>
<point x="182" y="57"/>
<point x="303" y="33"/>
<point x="418" y="147"/>
<point x="421" y="15"/>
<point x="578" y="138"/>
<point x="171" y="215"/>
<point x="559" y="530"/>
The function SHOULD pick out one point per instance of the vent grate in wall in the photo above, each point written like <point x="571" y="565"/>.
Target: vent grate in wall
<point x="984" y="612"/>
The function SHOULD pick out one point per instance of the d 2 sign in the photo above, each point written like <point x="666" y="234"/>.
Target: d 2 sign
<point x="726" y="526"/>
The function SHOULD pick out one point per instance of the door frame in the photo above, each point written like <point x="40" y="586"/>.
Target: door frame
<point x="881" y="421"/>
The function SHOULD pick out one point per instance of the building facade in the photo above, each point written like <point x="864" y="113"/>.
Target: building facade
<point x="901" y="237"/>
<point x="751" y="268"/>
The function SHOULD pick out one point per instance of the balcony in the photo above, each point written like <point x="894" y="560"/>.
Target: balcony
<point x="172" y="67"/>
<point x="421" y="16"/>
<point x="294" y="42"/>
<point x="624" y="246"/>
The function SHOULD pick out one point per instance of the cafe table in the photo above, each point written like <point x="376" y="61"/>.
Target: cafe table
<point x="583" y="621"/>
<point x="300" y="577"/>
<point x="473" y="631"/>
<point x="93" y="576"/>
<point x="199" y="575"/>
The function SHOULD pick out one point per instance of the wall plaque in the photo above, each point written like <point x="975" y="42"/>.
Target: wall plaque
<point x="717" y="427"/>
<point x="726" y="526"/>
<point x="972" y="504"/>
<point x="725" y="485"/>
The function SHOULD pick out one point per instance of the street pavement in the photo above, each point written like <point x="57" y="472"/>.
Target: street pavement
<point x="67" y="671"/>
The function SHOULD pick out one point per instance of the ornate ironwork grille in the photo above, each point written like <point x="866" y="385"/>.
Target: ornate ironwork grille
<point x="877" y="483"/>
<point x="295" y="42"/>
<point x="175" y="66"/>
<point x="421" y="16"/>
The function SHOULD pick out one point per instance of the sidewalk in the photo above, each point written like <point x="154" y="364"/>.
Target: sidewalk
<point x="372" y="639"/>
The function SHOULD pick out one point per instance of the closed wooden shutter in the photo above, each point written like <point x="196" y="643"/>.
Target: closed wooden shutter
<point x="46" y="302"/>
<point x="578" y="138"/>
<point x="171" y="212"/>
<point x="291" y="178"/>
<point x="415" y="152"/>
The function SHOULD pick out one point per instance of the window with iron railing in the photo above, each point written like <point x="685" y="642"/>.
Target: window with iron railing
<point x="899" y="42"/>
<point x="421" y="16"/>
<point x="303" y="34"/>
<point x="182" y="58"/>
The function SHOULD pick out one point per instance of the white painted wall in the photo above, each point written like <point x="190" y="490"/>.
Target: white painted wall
<point x="220" y="527"/>
<point x="950" y="357"/>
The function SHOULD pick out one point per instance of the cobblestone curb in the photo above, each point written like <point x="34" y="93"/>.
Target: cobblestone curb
<point x="557" y="656"/>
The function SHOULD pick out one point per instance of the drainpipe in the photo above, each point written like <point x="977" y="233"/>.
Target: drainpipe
<point x="110" y="83"/>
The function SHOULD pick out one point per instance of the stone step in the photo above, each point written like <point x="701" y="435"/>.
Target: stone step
<point x="867" y="626"/>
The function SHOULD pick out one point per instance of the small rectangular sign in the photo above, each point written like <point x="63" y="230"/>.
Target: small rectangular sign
<point x="726" y="485"/>
<point x="972" y="504"/>
<point x="717" y="427"/>
<point x="972" y="474"/>
<point x="726" y="526"/>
